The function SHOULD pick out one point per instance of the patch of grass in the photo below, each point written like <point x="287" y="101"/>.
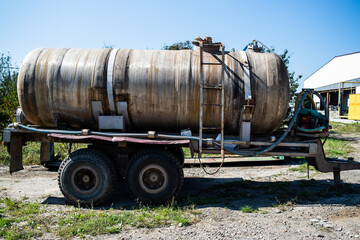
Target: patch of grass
<point x="345" y="127"/>
<point x="81" y="223"/>
<point x="302" y="168"/>
<point x="337" y="148"/>
<point x="283" y="206"/>
<point x="187" y="153"/>
<point x="248" y="209"/>
<point x="17" y="219"/>
<point x="19" y="209"/>
<point x="31" y="152"/>
<point x="4" y="156"/>
<point x="30" y="220"/>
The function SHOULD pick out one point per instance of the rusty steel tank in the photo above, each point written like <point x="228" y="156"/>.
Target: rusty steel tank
<point x="153" y="89"/>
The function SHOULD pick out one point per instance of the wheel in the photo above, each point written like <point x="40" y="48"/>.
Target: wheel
<point x="179" y="153"/>
<point x="154" y="176"/>
<point x="87" y="177"/>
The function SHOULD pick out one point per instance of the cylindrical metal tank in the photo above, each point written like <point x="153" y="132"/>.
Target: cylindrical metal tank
<point x="160" y="87"/>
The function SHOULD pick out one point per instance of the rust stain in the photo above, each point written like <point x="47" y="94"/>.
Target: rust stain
<point x="162" y="93"/>
<point x="151" y="76"/>
<point x="43" y="95"/>
<point x="79" y="81"/>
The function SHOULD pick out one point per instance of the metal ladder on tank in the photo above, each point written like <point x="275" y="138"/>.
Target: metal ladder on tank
<point x="219" y="86"/>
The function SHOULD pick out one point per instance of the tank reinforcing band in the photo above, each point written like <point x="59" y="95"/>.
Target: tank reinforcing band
<point x="247" y="83"/>
<point x="109" y="80"/>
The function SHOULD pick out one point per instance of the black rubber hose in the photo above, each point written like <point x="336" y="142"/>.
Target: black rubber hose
<point x="282" y="136"/>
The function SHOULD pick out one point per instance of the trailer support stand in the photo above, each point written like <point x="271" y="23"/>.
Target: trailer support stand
<point x="45" y="152"/>
<point x="325" y="164"/>
<point x="337" y="179"/>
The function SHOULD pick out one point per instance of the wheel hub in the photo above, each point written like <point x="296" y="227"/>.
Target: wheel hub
<point x="153" y="178"/>
<point x="85" y="179"/>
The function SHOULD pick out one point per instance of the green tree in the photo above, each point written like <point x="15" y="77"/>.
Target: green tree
<point x="293" y="83"/>
<point x="293" y="79"/>
<point x="179" y="46"/>
<point x="8" y="90"/>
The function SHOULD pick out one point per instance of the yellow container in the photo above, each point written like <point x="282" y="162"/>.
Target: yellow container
<point x="354" y="107"/>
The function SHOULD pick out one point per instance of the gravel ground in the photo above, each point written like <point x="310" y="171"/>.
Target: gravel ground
<point x="288" y="205"/>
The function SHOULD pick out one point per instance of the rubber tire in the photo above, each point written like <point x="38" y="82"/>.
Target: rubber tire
<point x="100" y="165"/>
<point x="168" y="162"/>
<point x="179" y="153"/>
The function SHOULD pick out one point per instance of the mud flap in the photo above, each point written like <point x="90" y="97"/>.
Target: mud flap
<point x="16" y="153"/>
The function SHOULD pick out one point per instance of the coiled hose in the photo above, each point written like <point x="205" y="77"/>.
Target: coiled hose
<point x="313" y="104"/>
<point x="271" y="147"/>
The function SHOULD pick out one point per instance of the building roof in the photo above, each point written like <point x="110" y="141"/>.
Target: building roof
<point x="339" y="69"/>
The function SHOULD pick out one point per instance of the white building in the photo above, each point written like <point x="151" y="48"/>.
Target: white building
<point x="341" y="71"/>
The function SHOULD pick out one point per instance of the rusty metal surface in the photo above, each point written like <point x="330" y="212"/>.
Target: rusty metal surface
<point x="160" y="87"/>
<point x="120" y="139"/>
<point x="324" y="164"/>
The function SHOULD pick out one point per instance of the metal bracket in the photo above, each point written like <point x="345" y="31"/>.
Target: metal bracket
<point x="245" y="131"/>
<point x="245" y="123"/>
<point x="6" y="136"/>
<point x="122" y="109"/>
<point x="97" y="110"/>
<point x="111" y="122"/>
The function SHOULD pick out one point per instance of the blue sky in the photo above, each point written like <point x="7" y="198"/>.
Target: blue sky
<point x="313" y="31"/>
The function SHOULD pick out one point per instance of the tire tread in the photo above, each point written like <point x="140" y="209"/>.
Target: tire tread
<point x="171" y="157"/>
<point x="97" y="155"/>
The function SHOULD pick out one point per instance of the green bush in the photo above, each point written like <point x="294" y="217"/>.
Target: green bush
<point x="8" y="91"/>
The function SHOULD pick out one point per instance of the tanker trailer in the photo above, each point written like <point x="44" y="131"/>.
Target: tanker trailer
<point x="130" y="106"/>
<point x="150" y="89"/>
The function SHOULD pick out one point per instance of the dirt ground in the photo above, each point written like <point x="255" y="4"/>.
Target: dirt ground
<point x="286" y="204"/>
<point x="289" y="206"/>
